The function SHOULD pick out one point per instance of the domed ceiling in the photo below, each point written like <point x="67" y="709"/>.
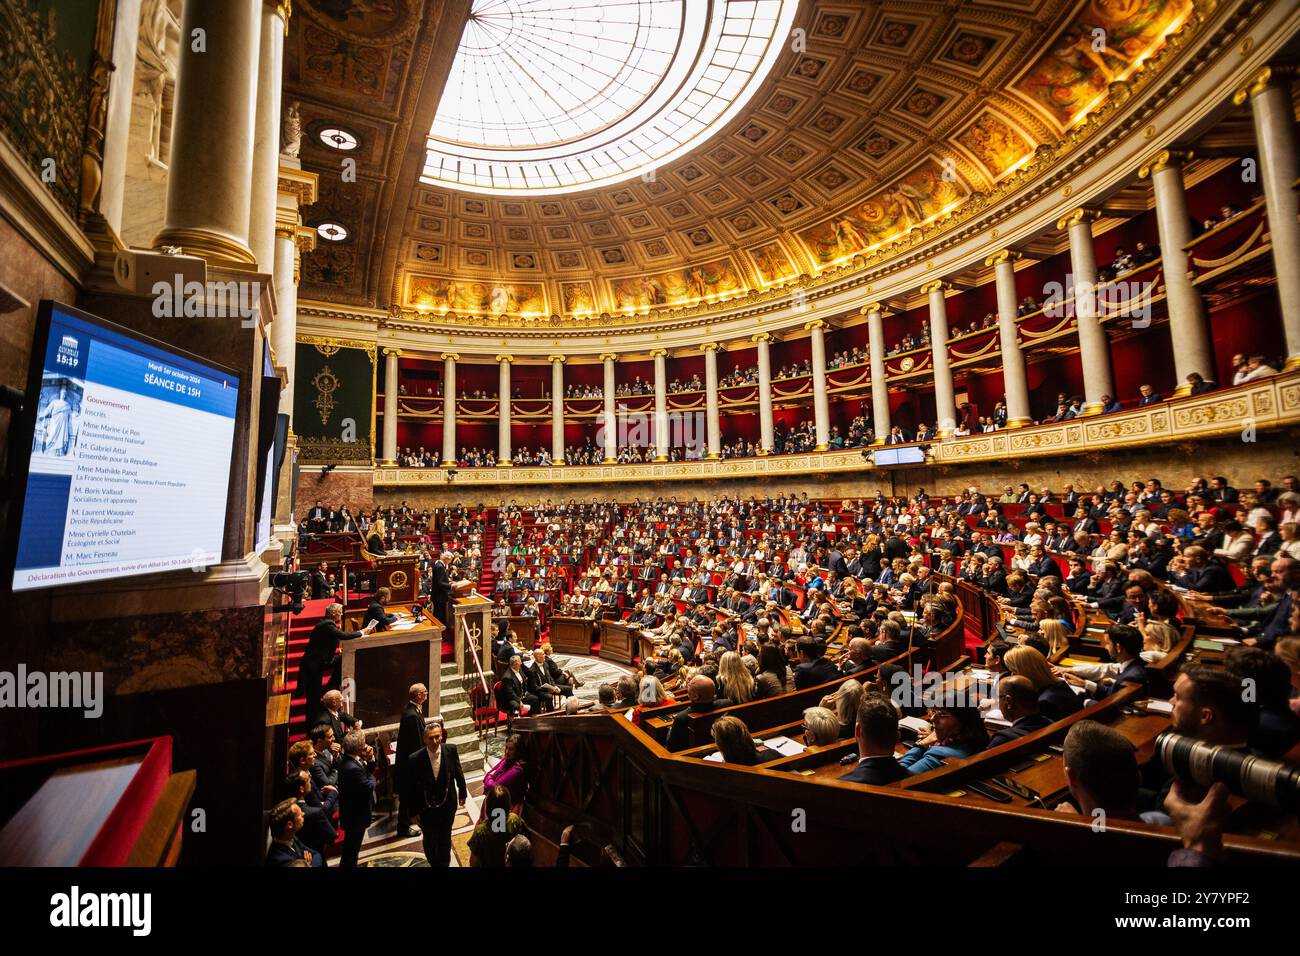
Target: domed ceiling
<point x="874" y="118"/>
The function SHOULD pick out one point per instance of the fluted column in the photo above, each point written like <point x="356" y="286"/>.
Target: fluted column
<point x="875" y="313"/>
<point x="1094" y="345"/>
<point x="821" y="401"/>
<point x="1188" y="327"/>
<point x="611" y="409"/>
<point x="766" y="427"/>
<point x="945" y="405"/>
<point x="661" y="403"/>
<point x="504" y="452"/>
<point x="557" y="409"/>
<point x="449" y="360"/>
<point x="117" y="121"/>
<point x="390" y="405"/>
<point x="266" y="138"/>
<point x="1015" y="382"/>
<point x="291" y="240"/>
<point x="1275" y="135"/>
<point x="713" y="418"/>
<point x="209" y="179"/>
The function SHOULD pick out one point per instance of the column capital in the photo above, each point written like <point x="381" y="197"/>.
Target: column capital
<point x="392" y="351"/>
<point x="873" y="308"/>
<point x="938" y="285"/>
<point x="1271" y="75"/>
<point x="449" y="357"/>
<point x="655" y="353"/>
<point x="505" y="358"/>
<point x="1163" y="160"/>
<point x="1004" y="255"/>
<point x="814" y="325"/>
<point x="557" y="358"/>
<point x="609" y="356"/>
<point x="1077" y="216"/>
<point x="710" y="347"/>
<point x="761" y="337"/>
<point x="284" y="8"/>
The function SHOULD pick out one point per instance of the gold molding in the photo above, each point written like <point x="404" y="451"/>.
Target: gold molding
<point x="557" y="358"/>
<point x="392" y="351"/>
<point x="449" y="356"/>
<point x="505" y="358"/>
<point x="209" y="245"/>
<point x="323" y="343"/>
<point x="609" y="356"/>
<point x="1163" y="160"/>
<point x="1005" y="255"/>
<point x="655" y="353"/>
<point x="937" y="285"/>
<point x="1076" y="216"/>
<point x="303" y="185"/>
<point x="1272" y="75"/>
<point x="710" y="347"/>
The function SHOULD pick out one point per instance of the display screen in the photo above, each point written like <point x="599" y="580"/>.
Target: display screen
<point x="907" y="455"/>
<point x="130" y="456"/>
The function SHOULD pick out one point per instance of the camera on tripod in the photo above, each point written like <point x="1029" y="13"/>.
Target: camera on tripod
<point x="293" y="584"/>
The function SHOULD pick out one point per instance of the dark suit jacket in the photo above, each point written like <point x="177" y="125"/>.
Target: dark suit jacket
<point x="425" y="793"/>
<point x="410" y="734"/>
<point x="814" y="672"/>
<point x="1134" y="672"/>
<point x="376" y="612"/>
<point x="679" y="734"/>
<point x="1057" y="700"/>
<point x="1022" y="727"/>
<point x="875" y="770"/>
<point x="324" y="643"/>
<point x="281" y="855"/>
<point x="317" y="832"/>
<point x="356" y="793"/>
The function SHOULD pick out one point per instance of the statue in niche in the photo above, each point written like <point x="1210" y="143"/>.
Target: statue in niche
<point x="155" y="66"/>
<point x="291" y="132"/>
<point x="92" y="160"/>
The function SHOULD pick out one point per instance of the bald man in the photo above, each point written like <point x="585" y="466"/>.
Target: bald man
<point x="701" y="690"/>
<point x="1018" y="701"/>
<point x="858" y="657"/>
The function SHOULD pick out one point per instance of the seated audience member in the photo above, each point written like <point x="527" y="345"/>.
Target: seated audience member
<point x="509" y="772"/>
<point x="813" y="667"/>
<point x="1018" y="702"/>
<point x="1101" y="771"/>
<point x="876" y="731"/>
<point x="1278" y="729"/>
<point x="735" y="743"/>
<point x="487" y="844"/>
<point x="1055" y="698"/>
<point x="701" y="691"/>
<point x="820" y="727"/>
<point x="958" y="732"/>
<point x="519" y="852"/>
<point x="843" y="702"/>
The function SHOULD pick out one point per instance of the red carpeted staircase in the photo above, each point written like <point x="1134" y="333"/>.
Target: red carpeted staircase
<point x="300" y="627"/>
<point x="487" y="578"/>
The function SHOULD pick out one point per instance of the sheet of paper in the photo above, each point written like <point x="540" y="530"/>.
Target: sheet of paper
<point x="1160" y="706"/>
<point x="784" y="746"/>
<point x="715" y="757"/>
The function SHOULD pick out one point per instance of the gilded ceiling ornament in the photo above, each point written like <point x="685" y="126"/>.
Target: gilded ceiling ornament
<point x="326" y="383"/>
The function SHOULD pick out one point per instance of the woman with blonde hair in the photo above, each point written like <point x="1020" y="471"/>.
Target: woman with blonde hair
<point x="737" y="683"/>
<point x="820" y="727"/>
<point x="1055" y="698"/>
<point x="844" y="704"/>
<point x="1058" y="640"/>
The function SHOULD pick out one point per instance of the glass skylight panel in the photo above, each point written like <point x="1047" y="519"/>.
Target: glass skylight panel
<point x="561" y="95"/>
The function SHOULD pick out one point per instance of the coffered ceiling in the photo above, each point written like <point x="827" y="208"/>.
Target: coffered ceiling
<point x="876" y="118"/>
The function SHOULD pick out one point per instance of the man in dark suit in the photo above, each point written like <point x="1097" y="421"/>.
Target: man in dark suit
<point x="316" y="832"/>
<point x="286" y="848"/>
<point x="320" y="582"/>
<point x="813" y="667"/>
<point x="375" y="612"/>
<point x="440" y="588"/>
<point x="1124" y="645"/>
<point x="877" y="733"/>
<point x="1018" y="702"/>
<point x="356" y="794"/>
<point x="323" y="652"/>
<point x="889" y="644"/>
<point x="435" y="786"/>
<point x="836" y="564"/>
<point x="1203" y="573"/>
<point x="782" y="596"/>
<point x="701" y="690"/>
<point x="410" y="735"/>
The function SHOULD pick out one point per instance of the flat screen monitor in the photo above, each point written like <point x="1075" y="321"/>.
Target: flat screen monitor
<point x="130" y="443"/>
<point x="903" y="455"/>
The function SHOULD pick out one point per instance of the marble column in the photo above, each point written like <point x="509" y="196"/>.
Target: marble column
<point x="945" y="404"/>
<point x="449" y="360"/>
<point x="661" y="403"/>
<point x="821" y="400"/>
<point x="209" y="180"/>
<point x="289" y="241"/>
<point x="266" y="137"/>
<point x="121" y="98"/>
<point x="1269" y="94"/>
<point x="1015" y="381"/>
<point x="875" y="313"/>
<point x="766" y="426"/>
<point x="1188" y="326"/>
<point x="557" y="409"/>
<point x="1094" y="344"/>
<point x="504" y="451"/>
<point x="713" y="416"/>
<point x="390" y="406"/>
<point x="610" y="428"/>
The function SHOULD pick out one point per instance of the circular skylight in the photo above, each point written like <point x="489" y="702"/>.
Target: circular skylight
<point x="551" y="96"/>
<point x="339" y="139"/>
